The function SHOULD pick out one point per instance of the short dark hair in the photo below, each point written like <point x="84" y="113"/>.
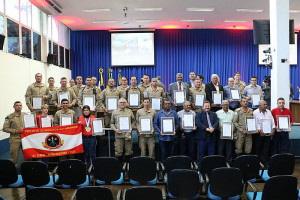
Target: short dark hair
<point x="206" y="102"/>
<point x="201" y="76"/>
<point x="50" y="78"/>
<point x="125" y="77"/>
<point x="17" y="102"/>
<point x="88" y="77"/>
<point x="235" y="73"/>
<point x="133" y="76"/>
<point x="164" y="100"/>
<point x="253" y="77"/>
<point x="192" y="72"/>
<point x="146" y="99"/>
<point x="78" y="76"/>
<point x="280" y="98"/>
<point x="146" y="75"/>
<point x="86" y="107"/>
<point x="64" y="100"/>
<point x="62" y="78"/>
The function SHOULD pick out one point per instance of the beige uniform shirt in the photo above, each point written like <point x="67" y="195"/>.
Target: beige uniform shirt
<point x="88" y="91"/>
<point x="135" y="89"/>
<point x="114" y="122"/>
<point x="57" y="115"/>
<point x="72" y="96"/>
<point x="144" y="113"/>
<point x="109" y="93"/>
<point x="11" y="124"/>
<point x="159" y="92"/>
<point x="122" y="88"/>
<point x="144" y="87"/>
<point x="239" y="118"/>
<point x="241" y="86"/>
<point x="76" y="89"/>
<point x="193" y="91"/>
<point x="34" y="89"/>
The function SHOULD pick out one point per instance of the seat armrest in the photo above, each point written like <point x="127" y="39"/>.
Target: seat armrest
<point x="73" y="195"/>
<point x="195" y="166"/>
<point x="54" y="173"/>
<point x="253" y="188"/>
<point x="90" y="169"/>
<point x="162" y="167"/>
<point x="163" y="191"/>
<point x="119" y="194"/>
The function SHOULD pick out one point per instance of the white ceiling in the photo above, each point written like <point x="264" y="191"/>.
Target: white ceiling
<point x="173" y="12"/>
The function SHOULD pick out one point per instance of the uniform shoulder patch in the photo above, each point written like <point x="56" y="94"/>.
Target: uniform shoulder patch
<point x="6" y="120"/>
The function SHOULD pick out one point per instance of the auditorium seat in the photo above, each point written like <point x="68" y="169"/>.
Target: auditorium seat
<point x="44" y="194"/>
<point x="107" y="170"/>
<point x="184" y="184"/>
<point x="72" y="174"/>
<point x="280" y="164"/>
<point x="144" y="193"/>
<point x="9" y="176"/>
<point x="225" y="183"/>
<point x="282" y="187"/>
<point x="93" y="193"/>
<point x="35" y="174"/>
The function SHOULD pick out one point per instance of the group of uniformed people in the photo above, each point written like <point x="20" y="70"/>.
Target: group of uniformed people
<point x="208" y="119"/>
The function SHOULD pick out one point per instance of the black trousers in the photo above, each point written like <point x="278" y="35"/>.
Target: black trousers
<point x="225" y="149"/>
<point x="262" y="147"/>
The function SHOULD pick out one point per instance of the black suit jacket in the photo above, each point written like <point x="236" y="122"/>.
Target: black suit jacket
<point x="209" y="88"/>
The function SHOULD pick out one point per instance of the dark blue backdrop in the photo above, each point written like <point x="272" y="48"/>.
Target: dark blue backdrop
<point x="178" y="50"/>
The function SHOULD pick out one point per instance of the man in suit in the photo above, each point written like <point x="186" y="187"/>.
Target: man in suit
<point x="177" y="86"/>
<point x="192" y="76"/>
<point x="206" y="122"/>
<point x="214" y="85"/>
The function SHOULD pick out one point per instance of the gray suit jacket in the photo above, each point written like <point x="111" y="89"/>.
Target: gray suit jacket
<point x="173" y="87"/>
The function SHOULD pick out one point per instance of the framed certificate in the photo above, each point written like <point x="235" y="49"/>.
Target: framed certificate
<point x="97" y="126"/>
<point x="235" y="94"/>
<point x="124" y="123"/>
<point x="156" y="103"/>
<point x="266" y="126"/>
<point x="134" y="99"/>
<point x="283" y="123"/>
<point x="89" y="100"/>
<point x="66" y="119"/>
<point x="188" y="121"/>
<point x="227" y="131"/>
<point x="255" y="100"/>
<point x="29" y="120"/>
<point x="199" y="99"/>
<point x="251" y="125"/>
<point x="50" y="102"/>
<point x="37" y="102"/>
<point x="63" y="95"/>
<point x="167" y="126"/>
<point x="46" y="121"/>
<point x="217" y="97"/>
<point x="112" y="103"/>
<point x="146" y="125"/>
<point x="179" y="97"/>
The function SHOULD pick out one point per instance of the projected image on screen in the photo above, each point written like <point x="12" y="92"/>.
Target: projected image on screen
<point x="130" y="49"/>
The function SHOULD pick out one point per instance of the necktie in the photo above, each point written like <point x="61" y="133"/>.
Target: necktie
<point x="179" y="86"/>
<point x="208" y="120"/>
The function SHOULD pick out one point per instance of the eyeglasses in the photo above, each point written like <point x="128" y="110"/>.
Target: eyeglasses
<point x="122" y="102"/>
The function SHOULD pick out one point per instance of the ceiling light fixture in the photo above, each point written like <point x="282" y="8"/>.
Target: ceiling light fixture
<point x="192" y="20"/>
<point x="235" y="21"/>
<point x="147" y="20"/>
<point x="294" y="11"/>
<point x="148" y="9"/>
<point x="97" y="10"/>
<point x="249" y="10"/>
<point x="200" y="9"/>
<point x="104" y="21"/>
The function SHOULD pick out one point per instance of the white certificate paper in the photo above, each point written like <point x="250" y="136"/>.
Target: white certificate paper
<point x="29" y="121"/>
<point x="266" y="126"/>
<point x="37" y="103"/>
<point x="112" y="104"/>
<point x="199" y="99"/>
<point x="46" y="122"/>
<point x="98" y="126"/>
<point x="63" y="95"/>
<point x="167" y="126"/>
<point x="283" y="123"/>
<point x="188" y="121"/>
<point x="226" y="129"/>
<point x="124" y="123"/>
<point x="235" y="94"/>
<point x="251" y="125"/>
<point x="179" y="97"/>
<point x="217" y="98"/>
<point x="89" y="101"/>
<point x="155" y="103"/>
<point x="255" y="99"/>
<point x="145" y="94"/>
<point x="145" y="125"/>
<point x="134" y="100"/>
<point x="65" y="121"/>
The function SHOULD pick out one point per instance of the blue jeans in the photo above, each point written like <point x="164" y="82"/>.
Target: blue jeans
<point x="187" y="145"/>
<point x="167" y="149"/>
<point x="281" y="142"/>
<point x="89" y="147"/>
<point x="207" y="144"/>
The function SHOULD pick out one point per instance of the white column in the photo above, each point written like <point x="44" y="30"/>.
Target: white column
<point x="279" y="30"/>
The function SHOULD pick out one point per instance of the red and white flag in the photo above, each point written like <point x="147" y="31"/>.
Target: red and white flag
<point x="52" y="141"/>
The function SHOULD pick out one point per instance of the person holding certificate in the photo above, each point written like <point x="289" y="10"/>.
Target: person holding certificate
<point x="124" y="86"/>
<point x="122" y="121"/>
<point x="155" y="90"/>
<point x="61" y="92"/>
<point x="238" y="82"/>
<point x="281" y="137"/>
<point x="243" y="139"/>
<point x="266" y="128"/>
<point x="37" y="89"/>
<point x="232" y="94"/>
<point x="146" y="84"/>
<point x="79" y="86"/>
<point x="225" y="115"/>
<point x="211" y="87"/>
<point x="64" y="110"/>
<point x="89" y="141"/>
<point x="252" y="89"/>
<point x="166" y="142"/>
<point x="13" y="125"/>
<point x="144" y="121"/>
<point x="187" y="128"/>
<point x="137" y="89"/>
<point x="52" y="89"/>
<point x="197" y="95"/>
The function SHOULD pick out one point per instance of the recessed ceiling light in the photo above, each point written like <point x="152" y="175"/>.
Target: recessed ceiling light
<point x="200" y="9"/>
<point x="248" y="10"/>
<point x="97" y="10"/>
<point x="147" y="20"/>
<point x="192" y="20"/>
<point x="103" y="21"/>
<point x="294" y="11"/>
<point x="148" y="9"/>
<point x="235" y="21"/>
